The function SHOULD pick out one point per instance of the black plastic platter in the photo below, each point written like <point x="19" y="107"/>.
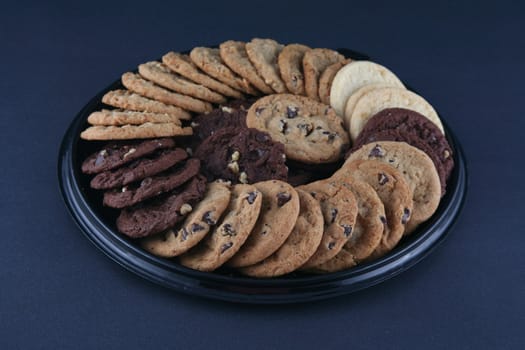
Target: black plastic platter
<point x="85" y="206"/>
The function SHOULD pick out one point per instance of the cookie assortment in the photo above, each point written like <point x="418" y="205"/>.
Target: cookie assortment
<point x="267" y="158"/>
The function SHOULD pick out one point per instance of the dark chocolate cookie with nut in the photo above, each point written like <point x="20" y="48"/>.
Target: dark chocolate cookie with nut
<point x="242" y="155"/>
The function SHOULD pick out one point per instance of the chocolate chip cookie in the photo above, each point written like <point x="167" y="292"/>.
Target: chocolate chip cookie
<point x="290" y="63"/>
<point x="417" y="168"/>
<point x="198" y="223"/>
<point x="279" y="211"/>
<point x="310" y="131"/>
<point x="227" y="238"/>
<point x="314" y="63"/>
<point x="263" y="54"/>
<point x="299" y="246"/>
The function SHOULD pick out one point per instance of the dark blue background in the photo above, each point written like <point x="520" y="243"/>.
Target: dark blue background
<point x="59" y="291"/>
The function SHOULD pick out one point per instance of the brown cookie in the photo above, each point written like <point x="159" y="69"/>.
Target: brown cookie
<point x="115" y="155"/>
<point x="161" y="75"/>
<point x="139" y="169"/>
<point x="227" y="238"/>
<point x="162" y="212"/>
<point x="128" y="132"/>
<point x="339" y="207"/>
<point x="315" y="61"/>
<point x="279" y="211"/>
<point x="202" y="219"/>
<point x="417" y="168"/>
<point x="151" y="186"/>
<point x="299" y="246"/>
<point x="183" y="65"/>
<point x="233" y="53"/>
<point x="130" y="101"/>
<point x="326" y="78"/>
<point x="392" y="189"/>
<point x="145" y="88"/>
<point x="290" y="63"/>
<point x="310" y="131"/>
<point x="209" y="60"/>
<point x="120" y="117"/>
<point x="263" y="54"/>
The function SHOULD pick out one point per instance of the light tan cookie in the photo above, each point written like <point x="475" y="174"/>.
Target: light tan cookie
<point x="263" y="54"/>
<point x="123" y="117"/>
<point x="183" y="65"/>
<point x="161" y="75"/>
<point x="326" y="78"/>
<point x="418" y="170"/>
<point x="356" y="75"/>
<point x="221" y="244"/>
<point x="209" y="60"/>
<point x="352" y="101"/>
<point x="127" y="132"/>
<point x="392" y="189"/>
<point x="196" y="226"/>
<point x="314" y="63"/>
<point x="135" y="83"/>
<point x="310" y="131"/>
<point x="279" y="211"/>
<point x="128" y="100"/>
<point x="290" y="63"/>
<point x="299" y="246"/>
<point x="389" y="97"/>
<point x="233" y="53"/>
<point x="339" y="207"/>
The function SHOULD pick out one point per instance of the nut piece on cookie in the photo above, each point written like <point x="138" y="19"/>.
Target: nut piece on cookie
<point x="263" y="53"/>
<point x="290" y="63"/>
<point x="310" y="131"/>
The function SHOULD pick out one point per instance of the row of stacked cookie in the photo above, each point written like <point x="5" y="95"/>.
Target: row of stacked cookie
<point x="163" y="93"/>
<point x="154" y="183"/>
<point x="269" y="228"/>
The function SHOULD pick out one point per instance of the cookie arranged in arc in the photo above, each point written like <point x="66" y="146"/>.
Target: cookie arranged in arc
<point x="315" y="61"/>
<point x="242" y="155"/>
<point x="115" y="155"/>
<point x="417" y="168"/>
<point x="210" y="61"/>
<point x="228" y="237"/>
<point x="197" y="225"/>
<point x="134" y="102"/>
<point x="233" y="53"/>
<point x="128" y="132"/>
<point x="119" y="117"/>
<point x="356" y="75"/>
<point x="327" y="77"/>
<point x="400" y="124"/>
<point x="393" y="191"/>
<point x="389" y="97"/>
<point x="152" y="186"/>
<point x="339" y="207"/>
<point x="137" y="84"/>
<point x="138" y="170"/>
<point x="160" y="74"/>
<point x="263" y="53"/>
<point x="279" y="211"/>
<point x="162" y="212"/>
<point x="290" y="62"/>
<point x="300" y="245"/>
<point x="310" y="131"/>
<point x="183" y="65"/>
